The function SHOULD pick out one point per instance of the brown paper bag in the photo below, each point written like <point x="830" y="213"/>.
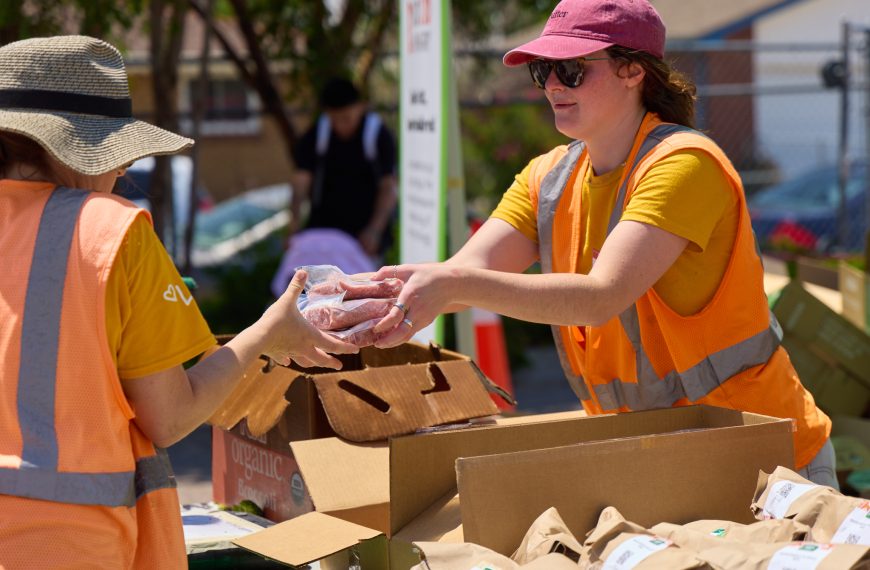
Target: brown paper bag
<point x="793" y="556"/>
<point x="467" y="556"/>
<point x="842" y="520"/>
<point x="617" y="541"/>
<point x="644" y="552"/>
<point x="784" y="494"/>
<point x="611" y="524"/>
<point x="548" y="534"/>
<point x="700" y="535"/>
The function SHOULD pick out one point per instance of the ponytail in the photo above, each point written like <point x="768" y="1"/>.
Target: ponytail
<point x="666" y="92"/>
<point x="19" y="149"/>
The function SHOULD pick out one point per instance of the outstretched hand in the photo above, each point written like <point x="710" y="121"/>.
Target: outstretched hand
<point x="423" y="298"/>
<point x="294" y="338"/>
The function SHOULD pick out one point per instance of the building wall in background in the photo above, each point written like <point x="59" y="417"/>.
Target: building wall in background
<point x="231" y="162"/>
<point x="801" y="131"/>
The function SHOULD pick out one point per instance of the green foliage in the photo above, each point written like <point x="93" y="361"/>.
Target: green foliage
<point x="245" y="506"/>
<point x="498" y="142"/>
<point x="482" y="18"/>
<point x="235" y="295"/>
<point x="319" y="43"/>
<point x="21" y="19"/>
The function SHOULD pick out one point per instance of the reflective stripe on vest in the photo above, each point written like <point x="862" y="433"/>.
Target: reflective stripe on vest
<point x="153" y="473"/>
<point x="548" y="198"/>
<point x="649" y="391"/>
<point x="38" y="477"/>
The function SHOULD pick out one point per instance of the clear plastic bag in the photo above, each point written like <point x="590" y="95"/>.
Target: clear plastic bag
<point x="361" y="335"/>
<point x="328" y="280"/>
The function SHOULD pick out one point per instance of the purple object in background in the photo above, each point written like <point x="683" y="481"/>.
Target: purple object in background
<point x="321" y="246"/>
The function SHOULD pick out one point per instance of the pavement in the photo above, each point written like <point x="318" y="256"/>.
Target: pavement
<point x="191" y="460"/>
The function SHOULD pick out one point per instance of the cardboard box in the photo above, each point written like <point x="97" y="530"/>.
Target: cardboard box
<point x="855" y="289"/>
<point x="834" y="389"/>
<point x="378" y="394"/>
<point x="677" y="464"/>
<point x="831" y="356"/>
<point x="851" y="439"/>
<point x="818" y="271"/>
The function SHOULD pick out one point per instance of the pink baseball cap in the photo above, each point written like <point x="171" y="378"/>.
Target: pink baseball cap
<point x="580" y="27"/>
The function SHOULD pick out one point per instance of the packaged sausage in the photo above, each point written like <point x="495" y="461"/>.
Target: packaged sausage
<point x="328" y="280"/>
<point x="331" y="313"/>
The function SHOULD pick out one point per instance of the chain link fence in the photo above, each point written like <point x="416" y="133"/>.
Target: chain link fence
<point x="794" y="118"/>
<point x="795" y="121"/>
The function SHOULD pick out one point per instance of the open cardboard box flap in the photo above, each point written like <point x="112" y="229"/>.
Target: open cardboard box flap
<point x="686" y="462"/>
<point x="306" y="538"/>
<point x="377" y="403"/>
<point x="314" y="536"/>
<point x="347" y="480"/>
<point x="377" y="394"/>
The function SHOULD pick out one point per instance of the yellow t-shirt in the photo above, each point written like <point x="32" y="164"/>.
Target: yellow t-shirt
<point x="686" y="194"/>
<point x="152" y="321"/>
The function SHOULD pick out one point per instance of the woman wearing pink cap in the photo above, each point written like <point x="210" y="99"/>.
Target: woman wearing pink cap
<point x="651" y="278"/>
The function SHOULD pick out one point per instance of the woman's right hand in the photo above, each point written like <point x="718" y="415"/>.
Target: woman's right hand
<point x="290" y="337"/>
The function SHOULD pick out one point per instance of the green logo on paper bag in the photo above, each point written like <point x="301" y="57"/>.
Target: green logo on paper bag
<point x="810" y="547"/>
<point x="657" y="541"/>
<point x="719" y="532"/>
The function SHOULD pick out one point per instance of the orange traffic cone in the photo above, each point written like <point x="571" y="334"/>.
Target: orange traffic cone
<point x="492" y="352"/>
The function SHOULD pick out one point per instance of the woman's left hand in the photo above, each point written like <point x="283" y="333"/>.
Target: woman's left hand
<point x="425" y="295"/>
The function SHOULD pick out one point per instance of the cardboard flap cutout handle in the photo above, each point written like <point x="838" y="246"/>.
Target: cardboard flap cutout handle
<point x="365" y="395"/>
<point x="435" y="349"/>
<point x="437" y="379"/>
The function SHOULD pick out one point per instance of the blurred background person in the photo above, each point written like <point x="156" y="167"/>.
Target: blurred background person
<point x="346" y="171"/>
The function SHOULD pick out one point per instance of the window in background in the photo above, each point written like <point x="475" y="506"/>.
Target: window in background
<point x="232" y="109"/>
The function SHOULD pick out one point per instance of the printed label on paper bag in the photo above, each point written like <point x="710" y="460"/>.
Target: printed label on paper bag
<point x="855" y="529"/>
<point x="633" y="551"/>
<point x="782" y="495"/>
<point x="799" y="556"/>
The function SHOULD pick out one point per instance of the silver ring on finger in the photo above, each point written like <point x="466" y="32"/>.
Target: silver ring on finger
<point x="402" y="306"/>
<point x="408" y="322"/>
<point x="396" y="273"/>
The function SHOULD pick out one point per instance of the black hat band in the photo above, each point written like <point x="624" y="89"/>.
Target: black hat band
<point x="60" y="101"/>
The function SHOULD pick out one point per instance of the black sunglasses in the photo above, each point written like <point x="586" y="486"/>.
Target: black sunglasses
<point x="569" y="71"/>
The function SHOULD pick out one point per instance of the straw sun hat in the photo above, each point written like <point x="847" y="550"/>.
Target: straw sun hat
<point x="70" y="94"/>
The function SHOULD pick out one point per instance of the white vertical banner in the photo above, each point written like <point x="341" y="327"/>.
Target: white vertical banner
<point x="423" y="115"/>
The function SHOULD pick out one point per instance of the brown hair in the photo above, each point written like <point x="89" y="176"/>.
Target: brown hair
<point x="19" y="149"/>
<point x="666" y="92"/>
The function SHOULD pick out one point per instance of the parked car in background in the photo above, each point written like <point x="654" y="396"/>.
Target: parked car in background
<point x="135" y="185"/>
<point x="803" y="213"/>
<point x="227" y="230"/>
<point x="237" y="246"/>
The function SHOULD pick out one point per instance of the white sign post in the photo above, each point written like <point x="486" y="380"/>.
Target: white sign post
<point x="424" y="113"/>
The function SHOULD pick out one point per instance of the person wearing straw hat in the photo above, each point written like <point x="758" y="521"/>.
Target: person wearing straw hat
<point x="95" y="323"/>
<point x="651" y="278"/>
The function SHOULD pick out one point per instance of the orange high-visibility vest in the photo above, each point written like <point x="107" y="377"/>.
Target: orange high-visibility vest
<point x="728" y="354"/>
<point x="80" y="485"/>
